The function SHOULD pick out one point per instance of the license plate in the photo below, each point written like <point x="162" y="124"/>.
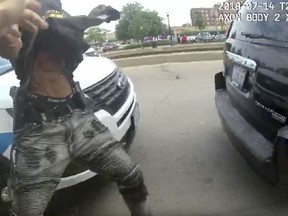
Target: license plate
<point x="238" y="76"/>
<point x="136" y="116"/>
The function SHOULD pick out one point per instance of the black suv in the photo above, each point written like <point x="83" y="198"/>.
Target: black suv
<point x="252" y="91"/>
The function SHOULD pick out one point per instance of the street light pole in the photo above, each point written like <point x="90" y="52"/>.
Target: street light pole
<point x="142" y="39"/>
<point x="169" y="28"/>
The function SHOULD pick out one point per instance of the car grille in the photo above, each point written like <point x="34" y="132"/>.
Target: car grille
<point x="109" y="94"/>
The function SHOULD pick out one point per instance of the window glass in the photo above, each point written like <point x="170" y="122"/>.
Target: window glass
<point x="269" y="18"/>
<point x="5" y="66"/>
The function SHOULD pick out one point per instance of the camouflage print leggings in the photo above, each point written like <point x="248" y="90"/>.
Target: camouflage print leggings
<point x="44" y="150"/>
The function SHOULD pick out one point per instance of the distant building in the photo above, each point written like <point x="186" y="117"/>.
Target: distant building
<point x="177" y="30"/>
<point x="227" y="11"/>
<point x="220" y="15"/>
<point x="210" y="16"/>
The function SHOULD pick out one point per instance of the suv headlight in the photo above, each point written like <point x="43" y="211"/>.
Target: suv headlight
<point x="122" y="80"/>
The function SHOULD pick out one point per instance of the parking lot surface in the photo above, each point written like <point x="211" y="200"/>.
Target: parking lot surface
<point x="190" y="166"/>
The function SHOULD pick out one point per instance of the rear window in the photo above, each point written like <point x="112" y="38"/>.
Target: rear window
<point x="269" y="18"/>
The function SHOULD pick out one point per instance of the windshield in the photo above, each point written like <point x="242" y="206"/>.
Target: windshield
<point x="5" y="66"/>
<point x="262" y="17"/>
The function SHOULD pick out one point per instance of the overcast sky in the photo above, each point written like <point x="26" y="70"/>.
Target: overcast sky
<point x="179" y="9"/>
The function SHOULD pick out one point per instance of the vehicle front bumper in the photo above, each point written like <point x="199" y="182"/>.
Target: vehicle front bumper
<point x="126" y="116"/>
<point x="256" y="149"/>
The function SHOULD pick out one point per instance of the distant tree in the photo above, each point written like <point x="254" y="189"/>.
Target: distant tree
<point x="165" y="29"/>
<point x="156" y="23"/>
<point x="198" y="20"/>
<point x="122" y="30"/>
<point x="139" y="27"/>
<point x="129" y="11"/>
<point x="95" y="35"/>
<point x="147" y="23"/>
<point x="136" y="23"/>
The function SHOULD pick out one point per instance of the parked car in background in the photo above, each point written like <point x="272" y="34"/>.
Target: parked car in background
<point x="204" y="36"/>
<point x="107" y="47"/>
<point x="163" y="37"/>
<point x="192" y="39"/>
<point x="252" y="91"/>
<point x="115" y="105"/>
<point x="220" y="37"/>
<point x="148" y="39"/>
<point x="92" y="52"/>
<point x="123" y="45"/>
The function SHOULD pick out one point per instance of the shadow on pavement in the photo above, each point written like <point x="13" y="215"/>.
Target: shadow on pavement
<point x="68" y="202"/>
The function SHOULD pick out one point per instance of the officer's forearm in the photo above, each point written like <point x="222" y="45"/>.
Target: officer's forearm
<point x="9" y="46"/>
<point x="5" y="21"/>
<point x="8" y="15"/>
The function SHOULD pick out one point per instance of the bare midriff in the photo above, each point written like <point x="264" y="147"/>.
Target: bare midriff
<point x="48" y="77"/>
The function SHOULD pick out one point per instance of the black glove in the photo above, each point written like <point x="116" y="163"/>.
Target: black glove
<point x="106" y="13"/>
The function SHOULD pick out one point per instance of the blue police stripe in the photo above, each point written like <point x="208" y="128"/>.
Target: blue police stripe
<point x="5" y="141"/>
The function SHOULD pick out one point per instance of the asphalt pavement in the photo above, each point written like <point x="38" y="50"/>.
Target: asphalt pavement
<point x="190" y="166"/>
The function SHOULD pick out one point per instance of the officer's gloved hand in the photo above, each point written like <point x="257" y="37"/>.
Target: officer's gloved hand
<point x="105" y="13"/>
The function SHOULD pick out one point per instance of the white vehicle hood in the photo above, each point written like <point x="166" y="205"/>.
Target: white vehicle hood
<point x="90" y="71"/>
<point x="93" y="69"/>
